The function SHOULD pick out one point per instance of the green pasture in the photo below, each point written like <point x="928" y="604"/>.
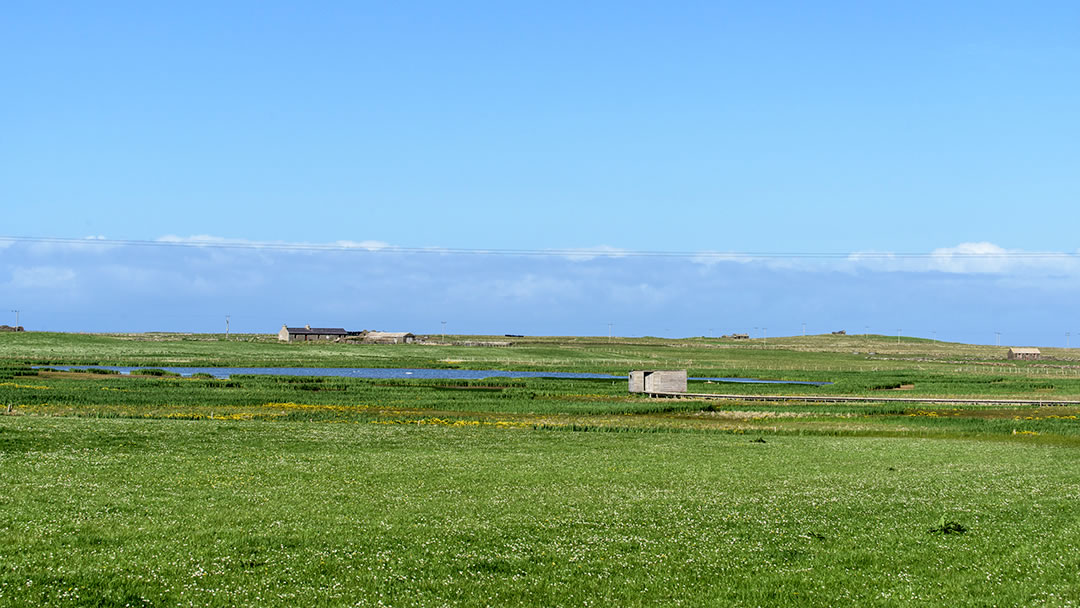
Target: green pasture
<point x="533" y="403"/>
<point x="157" y="490"/>
<point x="857" y="365"/>
<point x="816" y="356"/>
<point x="115" y="512"/>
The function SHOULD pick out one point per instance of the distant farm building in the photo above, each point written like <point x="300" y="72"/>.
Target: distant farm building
<point x="736" y="336"/>
<point x="1024" y="354"/>
<point x="658" y="381"/>
<point x="842" y="332"/>
<point x="308" y="333"/>
<point x="389" y="337"/>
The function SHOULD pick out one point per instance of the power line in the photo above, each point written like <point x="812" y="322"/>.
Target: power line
<point x="572" y="253"/>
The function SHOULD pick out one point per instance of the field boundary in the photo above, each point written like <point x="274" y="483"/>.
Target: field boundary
<point x="842" y="399"/>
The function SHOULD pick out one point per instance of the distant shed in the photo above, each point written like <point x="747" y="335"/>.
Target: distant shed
<point x="389" y="337"/>
<point x="658" y="381"/>
<point x="1024" y="354"/>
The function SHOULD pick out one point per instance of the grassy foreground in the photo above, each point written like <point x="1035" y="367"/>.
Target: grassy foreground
<point x="165" y="491"/>
<point x="121" y="512"/>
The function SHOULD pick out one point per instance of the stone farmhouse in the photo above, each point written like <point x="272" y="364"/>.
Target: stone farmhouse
<point x="308" y="333"/>
<point x="1024" y="354"/>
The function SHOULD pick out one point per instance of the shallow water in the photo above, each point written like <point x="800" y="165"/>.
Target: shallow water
<point x="395" y="372"/>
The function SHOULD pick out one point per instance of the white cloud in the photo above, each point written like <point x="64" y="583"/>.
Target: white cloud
<point x="711" y="258"/>
<point x="88" y="244"/>
<point x="195" y="238"/>
<point x="970" y="258"/>
<point x="207" y="240"/>
<point x="881" y="261"/>
<point x="587" y="254"/>
<point x="967" y="258"/>
<point x="366" y="245"/>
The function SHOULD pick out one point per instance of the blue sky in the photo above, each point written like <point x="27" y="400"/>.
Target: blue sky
<point x="832" y="127"/>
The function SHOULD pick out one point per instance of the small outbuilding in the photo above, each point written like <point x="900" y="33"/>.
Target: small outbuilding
<point x="308" y="333"/>
<point x="1024" y="354"/>
<point x="389" y="337"/>
<point x="658" y="381"/>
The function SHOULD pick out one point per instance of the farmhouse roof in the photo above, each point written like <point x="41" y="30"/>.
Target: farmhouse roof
<point x="1025" y="351"/>
<point x="388" y="334"/>
<point x="321" y="331"/>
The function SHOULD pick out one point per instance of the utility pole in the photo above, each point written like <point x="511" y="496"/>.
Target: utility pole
<point x="804" y="329"/>
<point x="765" y="332"/>
<point x="1066" y="339"/>
<point x="16" y="319"/>
<point x="935" y="335"/>
<point x="997" y="338"/>
<point x="610" y="333"/>
<point x="226" y="328"/>
<point x="898" y="336"/>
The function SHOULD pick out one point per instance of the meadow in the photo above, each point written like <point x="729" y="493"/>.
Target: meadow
<point x="163" y="491"/>
<point x="812" y="356"/>
<point x="114" y="512"/>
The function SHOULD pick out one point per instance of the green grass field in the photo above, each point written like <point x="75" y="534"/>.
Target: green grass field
<point x="165" y="491"/>
<point x="137" y="512"/>
<point x="812" y="356"/>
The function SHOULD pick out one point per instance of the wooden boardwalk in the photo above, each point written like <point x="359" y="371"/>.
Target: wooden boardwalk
<point x="842" y="399"/>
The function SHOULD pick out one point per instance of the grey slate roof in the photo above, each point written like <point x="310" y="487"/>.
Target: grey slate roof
<point x="321" y="331"/>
